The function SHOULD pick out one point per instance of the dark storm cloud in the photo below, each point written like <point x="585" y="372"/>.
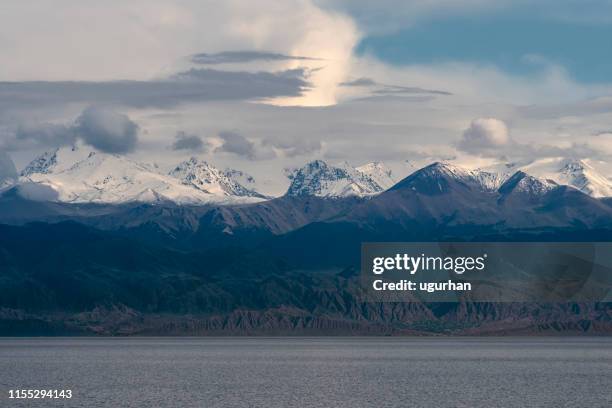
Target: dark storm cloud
<point x="233" y="57"/>
<point x="195" y="85"/>
<point x="184" y="141"/>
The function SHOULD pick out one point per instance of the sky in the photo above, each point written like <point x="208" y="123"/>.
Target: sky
<point x="265" y="86"/>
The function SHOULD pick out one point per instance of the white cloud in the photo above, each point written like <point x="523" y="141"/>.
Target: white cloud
<point x="484" y="134"/>
<point x="150" y="40"/>
<point x="146" y="39"/>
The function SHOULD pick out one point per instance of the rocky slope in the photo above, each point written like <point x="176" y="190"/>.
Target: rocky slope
<point x="208" y="179"/>
<point x="320" y="179"/>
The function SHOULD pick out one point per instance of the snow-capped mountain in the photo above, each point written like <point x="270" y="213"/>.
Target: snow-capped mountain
<point x="584" y="177"/>
<point x="523" y="183"/>
<point x="379" y="173"/>
<point x="79" y="175"/>
<point x="240" y="177"/>
<point x="438" y="194"/>
<point x="456" y="197"/>
<point x="434" y="178"/>
<point x="320" y="179"/>
<point x="209" y="179"/>
<point x="572" y="172"/>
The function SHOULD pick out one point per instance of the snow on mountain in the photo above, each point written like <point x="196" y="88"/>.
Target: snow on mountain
<point x="584" y="177"/>
<point x="240" y="177"/>
<point x="379" y="173"/>
<point x="525" y="184"/>
<point x="572" y="172"/>
<point x="435" y="178"/>
<point x="80" y="175"/>
<point x="209" y="179"/>
<point x="488" y="180"/>
<point x="318" y="178"/>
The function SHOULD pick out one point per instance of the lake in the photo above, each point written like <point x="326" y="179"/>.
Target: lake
<point x="310" y="372"/>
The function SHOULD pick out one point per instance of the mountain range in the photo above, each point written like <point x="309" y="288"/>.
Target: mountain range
<point x="572" y="172"/>
<point x="200" y="204"/>
<point x="95" y="243"/>
<point x="78" y="174"/>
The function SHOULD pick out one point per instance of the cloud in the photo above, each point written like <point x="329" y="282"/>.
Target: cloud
<point x="489" y="137"/>
<point x="408" y="90"/>
<point x="194" y="85"/>
<point x="161" y="33"/>
<point x="380" y="89"/>
<point x="102" y="128"/>
<point x="43" y="135"/>
<point x="184" y="141"/>
<point x="37" y="192"/>
<point x="107" y="130"/>
<point x="393" y="120"/>
<point x="234" y="57"/>
<point x="237" y="144"/>
<point x="484" y="135"/>
<point x="7" y="168"/>
<point x="363" y="81"/>
<point x="292" y="148"/>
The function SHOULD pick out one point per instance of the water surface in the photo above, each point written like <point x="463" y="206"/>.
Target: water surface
<point x="310" y="372"/>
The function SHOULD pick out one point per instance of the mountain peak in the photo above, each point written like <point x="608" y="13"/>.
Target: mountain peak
<point x="584" y="177"/>
<point x="42" y="164"/>
<point x="523" y="183"/>
<point x="61" y="159"/>
<point x="378" y="172"/>
<point x="578" y="173"/>
<point x="313" y="166"/>
<point x="209" y="179"/>
<point x="80" y="174"/>
<point x="443" y="177"/>
<point x="318" y="178"/>
<point x="575" y="164"/>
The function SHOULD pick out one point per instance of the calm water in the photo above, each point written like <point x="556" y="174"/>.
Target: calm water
<point x="311" y="372"/>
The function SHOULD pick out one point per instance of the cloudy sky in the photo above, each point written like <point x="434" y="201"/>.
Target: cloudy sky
<point x="266" y="85"/>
